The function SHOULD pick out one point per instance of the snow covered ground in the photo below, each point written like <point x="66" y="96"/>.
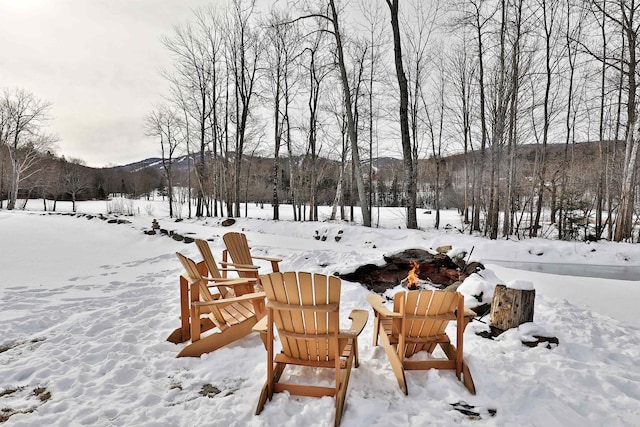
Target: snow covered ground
<point x="87" y="306"/>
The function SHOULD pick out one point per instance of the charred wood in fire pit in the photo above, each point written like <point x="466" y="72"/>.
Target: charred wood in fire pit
<point x="436" y="268"/>
<point x="376" y="278"/>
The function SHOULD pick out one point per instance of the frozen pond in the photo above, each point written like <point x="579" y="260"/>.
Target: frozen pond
<point x="581" y="270"/>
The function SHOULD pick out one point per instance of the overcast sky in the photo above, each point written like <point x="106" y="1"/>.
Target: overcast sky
<point x="98" y="63"/>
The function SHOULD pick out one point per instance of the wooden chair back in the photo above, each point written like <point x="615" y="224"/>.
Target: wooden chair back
<point x="305" y="310"/>
<point x="425" y="316"/>
<point x="418" y="323"/>
<point x="208" y="258"/>
<point x="194" y="277"/>
<point x="238" y="248"/>
<point x="212" y="266"/>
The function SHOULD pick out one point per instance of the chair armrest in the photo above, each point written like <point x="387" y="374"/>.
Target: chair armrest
<point x="229" y="281"/>
<point x="266" y="258"/>
<point x="234" y="281"/>
<point x="247" y="266"/>
<point x="262" y="325"/>
<point x="238" y="269"/>
<point x="359" y="321"/>
<point x="377" y="303"/>
<point x="226" y="301"/>
<point x="188" y="279"/>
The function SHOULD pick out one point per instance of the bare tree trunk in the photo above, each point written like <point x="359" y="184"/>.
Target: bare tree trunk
<point x="23" y="120"/>
<point x="407" y="153"/>
<point x="601" y="149"/>
<point x="15" y="179"/>
<point x="502" y="101"/>
<point x="509" y="210"/>
<point x="277" y="133"/>
<point x="624" y="219"/>
<point x="483" y="118"/>
<point x="569" y="124"/>
<point x="355" y="153"/>
<point x="292" y="165"/>
<point x="315" y="79"/>
<point x="165" y="124"/>
<point x="339" y="197"/>
<point x="244" y="51"/>
<point x="614" y="156"/>
<point x="548" y="29"/>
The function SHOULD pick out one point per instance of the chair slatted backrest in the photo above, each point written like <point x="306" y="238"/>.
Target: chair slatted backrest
<point x="194" y="276"/>
<point x="306" y="314"/>
<point x="238" y="248"/>
<point x="426" y="314"/>
<point x="212" y="266"/>
<point x="208" y="258"/>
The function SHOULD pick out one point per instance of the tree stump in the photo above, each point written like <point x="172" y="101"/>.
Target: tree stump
<point x="511" y="307"/>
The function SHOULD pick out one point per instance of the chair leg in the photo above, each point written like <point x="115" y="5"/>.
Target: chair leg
<point x="267" y="388"/>
<point x="263" y="398"/>
<point x="467" y="379"/>
<point x="453" y="354"/>
<point x="396" y="363"/>
<point x="178" y="336"/>
<point x="195" y="323"/>
<point x="376" y="328"/>
<point x="263" y="338"/>
<point x="354" y="345"/>
<point x="342" y="391"/>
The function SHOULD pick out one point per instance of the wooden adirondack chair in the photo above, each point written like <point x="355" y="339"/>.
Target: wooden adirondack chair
<point x="244" y="285"/>
<point x="209" y="270"/>
<point x="238" y="248"/>
<point x="417" y="323"/>
<point x="233" y="316"/>
<point x="305" y="310"/>
<point x="216" y="273"/>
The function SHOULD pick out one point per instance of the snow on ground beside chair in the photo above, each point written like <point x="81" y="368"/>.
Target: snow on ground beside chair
<point x="87" y="306"/>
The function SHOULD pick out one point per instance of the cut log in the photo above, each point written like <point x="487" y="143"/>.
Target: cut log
<point x="511" y="307"/>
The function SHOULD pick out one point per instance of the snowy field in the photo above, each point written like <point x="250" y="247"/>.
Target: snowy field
<point x="87" y="307"/>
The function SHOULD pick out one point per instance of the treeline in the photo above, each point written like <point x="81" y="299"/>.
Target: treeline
<point x="513" y="85"/>
<point x="416" y="80"/>
<point x="52" y="179"/>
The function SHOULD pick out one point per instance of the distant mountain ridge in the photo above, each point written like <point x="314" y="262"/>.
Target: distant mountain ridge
<point x="152" y="162"/>
<point x="181" y="163"/>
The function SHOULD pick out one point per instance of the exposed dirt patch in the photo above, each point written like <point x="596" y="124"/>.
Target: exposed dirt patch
<point x="10" y="346"/>
<point x="42" y="393"/>
<point x="473" y="412"/>
<point x="209" y="390"/>
<point x="11" y="398"/>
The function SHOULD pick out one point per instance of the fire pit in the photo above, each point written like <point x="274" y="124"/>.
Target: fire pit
<point x="413" y="280"/>
<point x="416" y="267"/>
